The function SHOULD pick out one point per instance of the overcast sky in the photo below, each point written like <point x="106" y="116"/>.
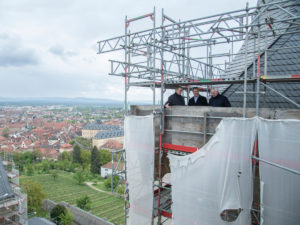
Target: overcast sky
<point x="48" y="47"/>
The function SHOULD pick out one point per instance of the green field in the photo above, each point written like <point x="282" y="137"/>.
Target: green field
<point x="101" y="186"/>
<point x="64" y="188"/>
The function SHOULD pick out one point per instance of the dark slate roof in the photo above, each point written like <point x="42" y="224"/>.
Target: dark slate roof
<point x="280" y="62"/>
<point x="5" y="188"/>
<point x="109" y="134"/>
<point x="39" y="221"/>
<point x="236" y="67"/>
<point x="97" y="126"/>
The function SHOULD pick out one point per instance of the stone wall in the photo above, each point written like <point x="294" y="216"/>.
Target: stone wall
<point x="81" y="217"/>
<point x="186" y="125"/>
<point x="194" y="126"/>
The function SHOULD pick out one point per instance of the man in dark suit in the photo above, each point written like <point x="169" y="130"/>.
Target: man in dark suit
<point x="218" y="100"/>
<point x="175" y="99"/>
<point x="197" y="100"/>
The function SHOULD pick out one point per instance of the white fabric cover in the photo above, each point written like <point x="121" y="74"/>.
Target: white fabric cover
<point x="207" y="182"/>
<point x="279" y="142"/>
<point x="139" y="147"/>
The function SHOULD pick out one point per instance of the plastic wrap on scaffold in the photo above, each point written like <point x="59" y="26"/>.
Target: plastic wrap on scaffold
<point x="139" y="147"/>
<point x="214" y="184"/>
<point x="279" y="143"/>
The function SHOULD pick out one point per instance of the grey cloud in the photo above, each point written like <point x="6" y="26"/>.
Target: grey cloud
<point x="61" y="51"/>
<point x="65" y="28"/>
<point x="13" y="53"/>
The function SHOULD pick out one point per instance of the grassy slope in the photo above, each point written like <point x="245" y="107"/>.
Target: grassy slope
<point x="64" y="188"/>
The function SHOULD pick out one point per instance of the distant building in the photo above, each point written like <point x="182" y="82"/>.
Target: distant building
<point x="101" y="133"/>
<point x="90" y="130"/>
<point x="103" y="136"/>
<point x="66" y="148"/>
<point x="106" y="169"/>
<point x="49" y="153"/>
<point x="53" y="140"/>
<point x="112" y="145"/>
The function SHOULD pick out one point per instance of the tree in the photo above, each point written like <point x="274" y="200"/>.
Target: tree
<point x="45" y="166"/>
<point x="76" y="154"/>
<point x="30" y="170"/>
<point x="5" y="132"/>
<point x="107" y="182"/>
<point x="37" y="155"/>
<point x="84" y="203"/>
<point x="38" y="167"/>
<point x="29" y="157"/>
<point x="85" y="157"/>
<point x="67" y="218"/>
<point x="35" y="195"/>
<point x="79" y="176"/>
<point x="105" y="157"/>
<point x="121" y="189"/>
<point x="95" y="161"/>
<point x="84" y="142"/>
<point x="54" y="174"/>
<point x="65" y="156"/>
<point x="57" y="212"/>
<point x="52" y="165"/>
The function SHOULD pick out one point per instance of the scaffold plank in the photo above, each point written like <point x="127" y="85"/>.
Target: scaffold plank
<point x="180" y="148"/>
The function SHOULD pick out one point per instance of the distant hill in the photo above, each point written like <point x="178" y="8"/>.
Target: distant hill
<point x="66" y="101"/>
<point x="58" y="101"/>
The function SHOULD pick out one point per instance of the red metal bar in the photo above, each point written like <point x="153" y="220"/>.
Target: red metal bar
<point x="296" y="76"/>
<point x="180" y="148"/>
<point x="166" y="214"/>
<point x="125" y="75"/>
<point x="217" y="79"/>
<point x="254" y="161"/>
<point x="159" y="173"/>
<point x="140" y="17"/>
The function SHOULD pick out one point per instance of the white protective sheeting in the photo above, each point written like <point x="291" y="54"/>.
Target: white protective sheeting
<point x="279" y="143"/>
<point x="139" y="147"/>
<point x="215" y="178"/>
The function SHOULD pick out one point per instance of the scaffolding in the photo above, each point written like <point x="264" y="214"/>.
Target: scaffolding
<point x="209" y="51"/>
<point x="13" y="210"/>
<point x="117" y="168"/>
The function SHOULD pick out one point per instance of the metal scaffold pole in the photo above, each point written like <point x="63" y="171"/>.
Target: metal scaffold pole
<point x="153" y="56"/>
<point x="245" y="63"/>
<point x="126" y="195"/>
<point x="125" y="72"/>
<point x="258" y="69"/>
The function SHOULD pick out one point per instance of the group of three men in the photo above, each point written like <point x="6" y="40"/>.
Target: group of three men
<point x="216" y="100"/>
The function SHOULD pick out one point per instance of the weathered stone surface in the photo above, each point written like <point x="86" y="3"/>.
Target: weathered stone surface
<point x="180" y="120"/>
<point x="81" y="217"/>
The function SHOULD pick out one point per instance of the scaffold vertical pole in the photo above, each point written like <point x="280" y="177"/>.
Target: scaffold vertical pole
<point x="126" y="61"/>
<point x="246" y="67"/>
<point x="161" y="119"/>
<point x="153" y="56"/>
<point x="258" y="70"/>
<point x="126" y="113"/>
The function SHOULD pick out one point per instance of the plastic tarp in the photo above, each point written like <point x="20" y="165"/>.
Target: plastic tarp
<point x="216" y="179"/>
<point x="139" y="147"/>
<point x="279" y="143"/>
